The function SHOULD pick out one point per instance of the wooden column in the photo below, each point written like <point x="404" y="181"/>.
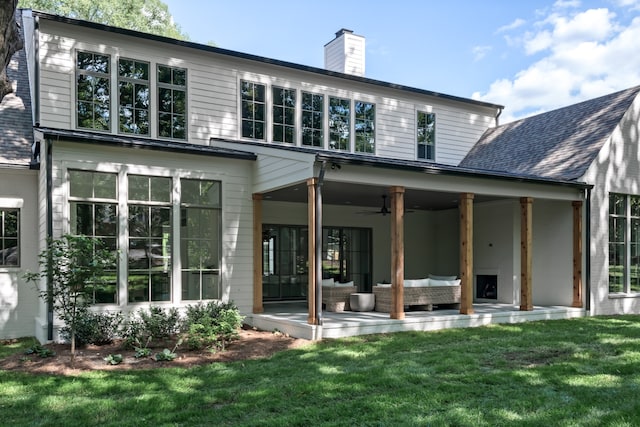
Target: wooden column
<point x="466" y="253"/>
<point x="312" y="317"/>
<point x="257" y="254"/>
<point x="526" y="249"/>
<point x="397" y="252"/>
<point x="577" y="254"/>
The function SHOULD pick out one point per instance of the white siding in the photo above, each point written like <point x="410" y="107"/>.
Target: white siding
<point x="615" y="170"/>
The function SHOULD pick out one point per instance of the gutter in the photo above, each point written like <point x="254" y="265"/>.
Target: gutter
<point x="318" y="248"/>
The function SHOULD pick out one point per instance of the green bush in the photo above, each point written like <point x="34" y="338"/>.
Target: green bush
<point x="155" y="324"/>
<point x="94" y="328"/>
<point x="211" y="325"/>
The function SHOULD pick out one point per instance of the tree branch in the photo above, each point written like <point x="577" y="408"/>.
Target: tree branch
<point x="10" y="42"/>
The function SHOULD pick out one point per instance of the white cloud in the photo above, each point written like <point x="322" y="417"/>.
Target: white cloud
<point x="585" y="54"/>
<point x="480" y="52"/>
<point x="515" y="24"/>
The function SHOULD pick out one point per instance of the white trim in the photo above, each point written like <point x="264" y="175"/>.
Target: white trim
<point x="11" y="202"/>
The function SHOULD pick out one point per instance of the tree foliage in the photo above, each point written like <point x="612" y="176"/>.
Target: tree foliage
<point x="148" y="16"/>
<point x="10" y="42"/>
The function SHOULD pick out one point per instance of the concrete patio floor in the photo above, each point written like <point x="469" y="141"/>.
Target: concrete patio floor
<point x="291" y="318"/>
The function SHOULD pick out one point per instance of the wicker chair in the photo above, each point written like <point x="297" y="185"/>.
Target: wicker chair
<point x="336" y="298"/>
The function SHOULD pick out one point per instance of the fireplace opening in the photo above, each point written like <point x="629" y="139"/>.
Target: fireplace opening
<point x="487" y="286"/>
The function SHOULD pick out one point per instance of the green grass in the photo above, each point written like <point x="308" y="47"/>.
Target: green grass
<point x="580" y="372"/>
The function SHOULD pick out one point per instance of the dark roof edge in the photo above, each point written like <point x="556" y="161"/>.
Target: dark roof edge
<point x="439" y="169"/>
<point x="262" y="59"/>
<point x="149" y="144"/>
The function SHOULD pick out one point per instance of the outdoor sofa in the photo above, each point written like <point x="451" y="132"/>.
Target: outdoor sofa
<point x="421" y="294"/>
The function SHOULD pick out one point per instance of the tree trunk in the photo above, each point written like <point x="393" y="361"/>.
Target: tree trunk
<point x="10" y="42"/>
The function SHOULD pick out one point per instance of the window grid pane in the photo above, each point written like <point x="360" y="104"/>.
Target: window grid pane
<point x="339" y="124"/>
<point x="9" y="237"/>
<point x="624" y="243"/>
<point x="172" y="102"/>
<point x="284" y="112"/>
<point x="426" y="135"/>
<point x="133" y="101"/>
<point x="253" y="110"/>
<point x="92" y="91"/>
<point x="365" y="117"/>
<point x="312" y="119"/>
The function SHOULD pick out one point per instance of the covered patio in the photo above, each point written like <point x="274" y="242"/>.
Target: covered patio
<point x="291" y="319"/>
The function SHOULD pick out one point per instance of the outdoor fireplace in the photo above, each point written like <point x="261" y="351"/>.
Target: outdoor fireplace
<point x="487" y="286"/>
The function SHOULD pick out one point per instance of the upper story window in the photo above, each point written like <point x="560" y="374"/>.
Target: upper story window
<point x="365" y="117"/>
<point x="253" y="110"/>
<point x="133" y="97"/>
<point x="339" y="123"/>
<point x="624" y="243"/>
<point x="312" y="119"/>
<point x="172" y="102"/>
<point x="284" y="114"/>
<point x="426" y="135"/>
<point x="9" y="237"/>
<point x="92" y="91"/>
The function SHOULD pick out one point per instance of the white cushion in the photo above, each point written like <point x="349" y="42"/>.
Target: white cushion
<point x="445" y="282"/>
<point x="384" y="285"/>
<point x="328" y="282"/>
<point x="414" y="283"/>
<point x="344" y="284"/>
<point x="436" y="277"/>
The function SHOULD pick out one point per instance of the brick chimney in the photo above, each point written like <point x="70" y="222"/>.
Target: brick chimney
<point x="345" y="53"/>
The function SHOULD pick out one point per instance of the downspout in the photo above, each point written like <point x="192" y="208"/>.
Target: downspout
<point x="49" y="185"/>
<point x="587" y="263"/>
<point x="318" y="248"/>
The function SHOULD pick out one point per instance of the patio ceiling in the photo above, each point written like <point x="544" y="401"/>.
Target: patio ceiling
<point x="345" y="194"/>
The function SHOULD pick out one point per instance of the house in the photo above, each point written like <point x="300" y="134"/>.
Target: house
<point x="220" y="175"/>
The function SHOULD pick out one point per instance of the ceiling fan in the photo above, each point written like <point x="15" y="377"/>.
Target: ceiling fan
<point x="384" y="210"/>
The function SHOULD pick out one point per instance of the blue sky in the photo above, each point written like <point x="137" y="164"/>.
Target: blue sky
<point x="530" y="56"/>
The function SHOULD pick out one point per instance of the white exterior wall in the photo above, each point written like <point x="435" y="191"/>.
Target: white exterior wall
<point x="615" y="170"/>
<point x="346" y="54"/>
<point x="19" y="300"/>
<point x="213" y="93"/>
<point x="237" y="209"/>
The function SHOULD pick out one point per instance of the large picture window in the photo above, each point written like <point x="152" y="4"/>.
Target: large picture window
<point x="94" y="213"/>
<point x="284" y="114"/>
<point x="172" y="102"/>
<point x="426" y="135"/>
<point x="133" y="96"/>
<point x="92" y="91"/>
<point x="149" y="238"/>
<point x="9" y="237"/>
<point x="365" y="117"/>
<point x="253" y="110"/>
<point x="312" y="119"/>
<point x="200" y="222"/>
<point x="339" y="124"/>
<point x="624" y="243"/>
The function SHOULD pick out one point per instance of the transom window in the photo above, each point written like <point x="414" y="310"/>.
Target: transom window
<point x="133" y="96"/>
<point x="253" y="110"/>
<point x="365" y="117"/>
<point x="312" y="119"/>
<point x="624" y="243"/>
<point x="94" y="213"/>
<point x="426" y="135"/>
<point x="339" y="123"/>
<point x="284" y="114"/>
<point x="9" y="237"/>
<point x="92" y="91"/>
<point x="172" y="102"/>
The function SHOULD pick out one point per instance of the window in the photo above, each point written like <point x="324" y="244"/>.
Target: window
<point x="365" y="117"/>
<point x="94" y="213"/>
<point x="426" y="135"/>
<point x="284" y="113"/>
<point x="92" y="91"/>
<point x="253" y="110"/>
<point x="624" y="243"/>
<point x="9" y="237"/>
<point x="339" y="123"/>
<point x="133" y="96"/>
<point x="172" y="102"/>
<point x="200" y="224"/>
<point x="149" y="252"/>
<point x="312" y="119"/>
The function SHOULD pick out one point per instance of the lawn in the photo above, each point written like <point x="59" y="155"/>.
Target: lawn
<point x="579" y="372"/>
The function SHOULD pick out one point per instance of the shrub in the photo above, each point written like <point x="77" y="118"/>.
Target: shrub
<point x="156" y="324"/>
<point x="211" y="325"/>
<point x="113" y="359"/>
<point x="94" y="328"/>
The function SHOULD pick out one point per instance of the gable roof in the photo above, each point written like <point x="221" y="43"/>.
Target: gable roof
<point x="16" y="126"/>
<point x="560" y="144"/>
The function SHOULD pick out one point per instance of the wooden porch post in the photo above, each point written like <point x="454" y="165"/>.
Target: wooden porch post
<point x="257" y="253"/>
<point x="312" y="317"/>
<point x="397" y="252"/>
<point x="577" y="253"/>
<point x="526" y="249"/>
<point x="466" y="253"/>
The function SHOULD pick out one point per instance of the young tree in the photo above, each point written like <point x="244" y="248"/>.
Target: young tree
<point x="10" y="42"/>
<point x="75" y="266"/>
<point x="149" y="16"/>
